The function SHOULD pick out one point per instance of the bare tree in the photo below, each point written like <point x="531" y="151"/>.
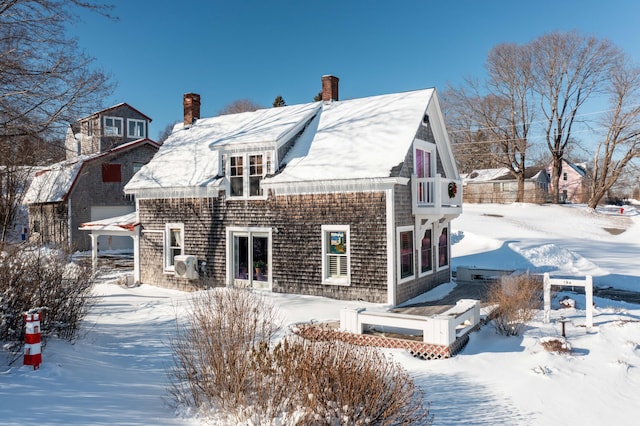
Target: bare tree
<point x="241" y="105"/>
<point x="164" y="134"/>
<point x="568" y="69"/>
<point x="46" y="82"/>
<point x="621" y="143"/>
<point x="500" y="112"/>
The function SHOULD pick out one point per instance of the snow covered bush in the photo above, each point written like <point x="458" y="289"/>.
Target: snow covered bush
<point x="226" y="363"/>
<point x="516" y="299"/>
<point x="47" y="280"/>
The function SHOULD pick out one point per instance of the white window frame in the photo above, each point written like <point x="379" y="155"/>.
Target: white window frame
<point x="106" y="129"/>
<point x="136" y="122"/>
<point x="246" y="176"/>
<point x="168" y="264"/>
<point x="419" y="250"/>
<point x="448" y="265"/>
<point x="326" y="279"/>
<point x="401" y="230"/>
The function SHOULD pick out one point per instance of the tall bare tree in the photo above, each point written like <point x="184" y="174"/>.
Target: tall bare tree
<point x="46" y="82"/>
<point x="621" y="143"/>
<point x="500" y="111"/>
<point x="568" y="69"/>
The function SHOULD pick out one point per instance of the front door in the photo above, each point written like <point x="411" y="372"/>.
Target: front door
<point x="250" y="258"/>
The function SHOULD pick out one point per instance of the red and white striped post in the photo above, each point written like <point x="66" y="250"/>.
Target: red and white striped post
<point x="32" y="349"/>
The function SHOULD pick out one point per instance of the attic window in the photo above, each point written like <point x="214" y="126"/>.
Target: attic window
<point x="135" y="128"/>
<point x="111" y="173"/>
<point x="113" y="126"/>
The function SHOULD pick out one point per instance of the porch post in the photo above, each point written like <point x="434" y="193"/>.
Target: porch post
<point x="136" y="254"/>
<point x="94" y="251"/>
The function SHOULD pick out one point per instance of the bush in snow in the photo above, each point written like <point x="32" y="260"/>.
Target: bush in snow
<point x="212" y="348"/>
<point x="47" y="280"/>
<point x="224" y="361"/>
<point x="516" y="298"/>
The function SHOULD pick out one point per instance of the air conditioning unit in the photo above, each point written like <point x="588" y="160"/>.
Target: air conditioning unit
<point x="186" y="266"/>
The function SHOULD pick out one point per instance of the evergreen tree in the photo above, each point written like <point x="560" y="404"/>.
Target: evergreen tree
<point x="279" y="102"/>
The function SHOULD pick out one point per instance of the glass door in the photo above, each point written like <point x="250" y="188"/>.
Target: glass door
<point x="250" y="259"/>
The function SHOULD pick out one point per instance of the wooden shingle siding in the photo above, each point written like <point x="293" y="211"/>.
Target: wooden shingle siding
<point x="296" y="222"/>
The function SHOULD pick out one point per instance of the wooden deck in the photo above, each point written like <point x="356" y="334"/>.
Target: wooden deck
<point x="476" y="291"/>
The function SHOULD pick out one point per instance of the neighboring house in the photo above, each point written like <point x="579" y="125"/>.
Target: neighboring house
<point x="500" y="186"/>
<point x="345" y="199"/>
<point x="89" y="184"/>
<point x="573" y="187"/>
<point x="106" y="129"/>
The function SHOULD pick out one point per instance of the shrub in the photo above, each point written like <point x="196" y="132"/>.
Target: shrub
<point x="516" y="298"/>
<point x="224" y="361"/>
<point x="212" y="348"/>
<point x="46" y="280"/>
<point x="554" y="344"/>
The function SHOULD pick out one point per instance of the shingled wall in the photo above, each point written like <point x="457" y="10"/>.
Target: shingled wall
<point x="296" y="222"/>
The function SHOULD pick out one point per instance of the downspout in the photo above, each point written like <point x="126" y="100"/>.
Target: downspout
<point x="391" y="249"/>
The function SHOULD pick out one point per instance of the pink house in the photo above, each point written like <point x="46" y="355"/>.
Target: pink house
<point x="573" y="182"/>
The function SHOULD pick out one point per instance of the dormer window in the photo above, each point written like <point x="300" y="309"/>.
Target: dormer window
<point x="113" y="126"/>
<point x="136" y="128"/>
<point x="245" y="181"/>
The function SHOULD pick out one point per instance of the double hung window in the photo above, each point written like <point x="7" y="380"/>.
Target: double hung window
<point x="335" y="254"/>
<point x="113" y="126"/>
<point x="173" y="244"/>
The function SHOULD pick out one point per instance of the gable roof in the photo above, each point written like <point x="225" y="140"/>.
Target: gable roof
<point x="54" y="183"/>
<point x="105" y="110"/>
<point x="342" y="140"/>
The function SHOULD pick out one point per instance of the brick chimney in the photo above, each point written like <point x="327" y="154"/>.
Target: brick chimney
<point x="191" y="104"/>
<point x="329" y="88"/>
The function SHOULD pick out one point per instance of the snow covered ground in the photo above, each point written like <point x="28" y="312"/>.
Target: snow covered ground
<point x="115" y="373"/>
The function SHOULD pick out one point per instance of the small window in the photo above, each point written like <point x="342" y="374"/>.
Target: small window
<point x="137" y="166"/>
<point x="564" y="175"/>
<point x="406" y="253"/>
<point x="236" y="176"/>
<point x="255" y="175"/>
<point x="136" y="128"/>
<point x="111" y="172"/>
<point x="443" y="248"/>
<point x="426" y="252"/>
<point x="113" y="126"/>
<point x="335" y="257"/>
<point x="174" y="243"/>
<point x="90" y="128"/>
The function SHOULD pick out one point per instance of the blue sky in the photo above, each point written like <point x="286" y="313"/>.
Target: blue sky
<point x="229" y="50"/>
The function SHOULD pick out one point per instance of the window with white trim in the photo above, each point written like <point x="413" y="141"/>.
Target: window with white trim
<point x="112" y="126"/>
<point x="136" y="128"/>
<point x="236" y="176"/>
<point x="426" y="251"/>
<point x="173" y="244"/>
<point x="335" y="254"/>
<point x="256" y="173"/>
<point x="246" y="172"/>
<point x="443" y="248"/>
<point x="406" y="263"/>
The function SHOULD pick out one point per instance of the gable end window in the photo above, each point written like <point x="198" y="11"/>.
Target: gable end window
<point x="336" y="262"/>
<point x="111" y="172"/>
<point x="112" y="126"/>
<point x="136" y="128"/>
<point x="173" y="244"/>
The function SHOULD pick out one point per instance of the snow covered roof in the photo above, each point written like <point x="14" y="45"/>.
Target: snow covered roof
<point x="119" y="223"/>
<point x="356" y="139"/>
<point x="341" y="140"/>
<point x="485" y="175"/>
<point x="53" y="184"/>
